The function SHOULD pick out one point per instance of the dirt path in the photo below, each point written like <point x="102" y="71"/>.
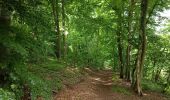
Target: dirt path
<point x="98" y="86"/>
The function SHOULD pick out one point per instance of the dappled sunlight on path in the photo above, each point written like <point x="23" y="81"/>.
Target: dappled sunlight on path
<point x="98" y="85"/>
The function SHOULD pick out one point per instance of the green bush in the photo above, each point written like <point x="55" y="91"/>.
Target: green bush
<point x="39" y="87"/>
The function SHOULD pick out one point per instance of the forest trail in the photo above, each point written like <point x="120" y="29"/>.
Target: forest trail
<point x="98" y="85"/>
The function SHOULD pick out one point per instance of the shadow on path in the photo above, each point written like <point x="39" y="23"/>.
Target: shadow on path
<point x="98" y="85"/>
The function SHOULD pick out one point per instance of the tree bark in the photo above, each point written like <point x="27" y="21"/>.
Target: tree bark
<point x="130" y="15"/>
<point x="153" y="72"/>
<point x="133" y="75"/>
<point x="119" y="12"/>
<point x="119" y="42"/>
<point x="168" y="78"/>
<point x="63" y="28"/>
<point x="5" y="16"/>
<point x="142" y="47"/>
<point x="157" y="74"/>
<point x="55" y="8"/>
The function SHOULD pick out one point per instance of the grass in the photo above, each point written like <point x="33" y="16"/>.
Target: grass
<point x="120" y="89"/>
<point x="115" y="77"/>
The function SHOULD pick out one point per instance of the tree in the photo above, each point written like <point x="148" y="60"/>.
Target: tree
<point x="64" y="28"/>
<point x="142" y="47"/>
<point x="119" y="33"/>
<point x="55" y="9"/>
<point x="128" y="51"/>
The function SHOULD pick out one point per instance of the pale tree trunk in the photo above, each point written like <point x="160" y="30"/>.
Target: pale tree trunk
<point x="133" y="70"/>
<point x="142" y="47"/>
<point x="130" y="15"/>
<point x="55" y="8"/>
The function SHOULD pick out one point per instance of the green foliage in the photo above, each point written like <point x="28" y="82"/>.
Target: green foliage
<point x="167" y="90"/>
<point x="39" y="87"/>
<point x="6" y="95"/>
<point x="51" y="76"/>
<point x="28" y="43"/>
<point x="38" y="77"/>
<point x="42" y="79"/>
<point x="25" y="41"/>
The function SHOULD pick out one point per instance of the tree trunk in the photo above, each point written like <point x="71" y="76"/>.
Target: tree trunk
<point x="119" y="43"/>
<point x="157" y="74"/>
<point x="133" y="75"/>
<point x="153" y="72"/>
<point x="168" y="78"/>
<point x="55" y="8"/>
<point x="5" y="21"/>
<point x="5" y="17"/>
<point x="142" y="47"/>
<point x="167" y="82"/>
<point x="128" y="63"/>
<point x="63" y="28"/>
<point x="120" y="54"/>
<point x="129" y="37"/>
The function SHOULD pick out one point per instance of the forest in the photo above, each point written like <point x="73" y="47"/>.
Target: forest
<point x="84" y="49"/>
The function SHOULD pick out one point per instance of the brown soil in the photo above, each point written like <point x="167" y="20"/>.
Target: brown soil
<point x="98" y="85"/>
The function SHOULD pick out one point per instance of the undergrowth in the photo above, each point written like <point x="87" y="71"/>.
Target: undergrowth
<point x="6" y="95"/>
<point x="119" y="89"/>
<point x="51" y="76"/>
<point x="43" y="79"/>
<point x="151" y="86"/>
